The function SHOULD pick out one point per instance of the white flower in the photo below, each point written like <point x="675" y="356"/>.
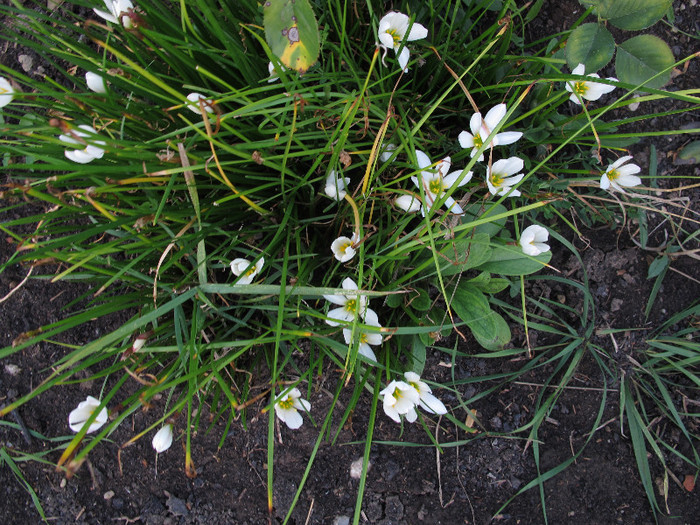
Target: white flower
<point x="400" y="398"/>
<point x="336" y="187"/>
<point x="387" y="152"/>
<point x="163" y="439"/>
<point x="193" y="103"/>
<point x="78" y="417"/>
<point x="90" y="152"/>
<point x="585" y="89"/>
<point x="533" y="240"/>
<point x="392" y="32"/>
<point x="367" y="337"/>
<point x="7" y="92"/>
<point x="117" y="8"/>
<point x="343" y="248"/>
<point x="274" y="76"/>
<point x="95" y="82"/>
<point x="618" y="175"/>
<point x="482" y="128"/>
<point x="408" y="203"/>
<point x="500" y="177"/>
<point x="287" y="408"/>
<point x="243" y="268"/>
<point x="351" y="305"/>
<point x="436" y="182"/>
<point x="428" y="401"/>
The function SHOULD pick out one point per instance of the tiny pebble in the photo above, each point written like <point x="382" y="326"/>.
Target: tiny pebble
<point x="108" y="495"/>
<point x="356" y="468"/>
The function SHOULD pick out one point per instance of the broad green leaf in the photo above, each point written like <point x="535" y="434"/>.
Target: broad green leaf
<point x="463" y="254"/>
<point x="690" y="154"/>
<point x="477" y="211"/>
<point x="418" y="355"/>
<point x="291" y="32"/>
<point x="631" y="15"/>
<point x="420" y="301"/>
<point x="488" y="284"/>
<point x="643" y="57"/>
<point x="472" y="307"/>
<point x="394" y="300"/>
<point x="591" y="45"/>
<point x="510" y="260"/>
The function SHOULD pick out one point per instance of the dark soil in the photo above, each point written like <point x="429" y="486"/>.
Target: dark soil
<point x="470" y="483"/>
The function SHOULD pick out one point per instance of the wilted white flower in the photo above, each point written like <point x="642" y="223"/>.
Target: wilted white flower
<point x="436" y="181"/>
<point x="392" y="32"/>
<point x="618" y="175"/>
<point x="367" y="337"/>
<point x="245" y="269"/>
<point x="399" y="399"/>
<point x="117" y="13"/>
<point x="500" y="177"/>
<point x="387" y="152"/>
<point x="586" y="89"/>
<point x="343" y="248"/>
<point x="351" y="305"/>
<point x="163" y="439"/>
<point x="95" y="82"/>
<point x="86" y="138"/>
<point x="7" y="92"/>
<point x="428" y="401"/>
<point x="482" y="128"/>
<point x="78" y="417"/>
<point x="336" y="187"/>
<point x="533" y="240"/>
<point x="408" y="203"/>
<point x="193" y="103"/>
<point x="287" y="408"/>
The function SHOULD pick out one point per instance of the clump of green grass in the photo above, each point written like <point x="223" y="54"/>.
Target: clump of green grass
<point x="203" y="195"/>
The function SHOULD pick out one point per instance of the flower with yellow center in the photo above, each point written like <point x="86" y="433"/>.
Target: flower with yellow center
<point x="366" y="336"/>
<point x="350" y="305"/>
<point x="584" y="89"/>
<point x="400" y="399"/>
<point x="481" y="128"/>
<point x="287" y="406"/>
<point x="428" y="401"/>
<point x="617" y="175"/>
<point x="500" y="176"/>
<point x="245" y="270"/>
<point x="436" y="182"/>
<point x="343" y="248"/>
<point x="393" y="30"/>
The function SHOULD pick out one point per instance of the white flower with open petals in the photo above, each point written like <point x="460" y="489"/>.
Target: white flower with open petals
<point x="427" y="400"/>
<point x="392" y="32"/>
<point x="95" y="82"/>
<point x="617" y="175"/>
<point x="533" y="240"/>
<point x="400" y="399"/>
<point x="589" y="90"/>
<point x="336" y="187"/>
<point x="436" y="181"/>
<point x="193" y="103"/>
<point x="7" y="92"/>
<point x="83" y="136"/>
<point x="481" y="128"/>
<point x="501" y="176"/>
<point x="343" y="248"/>
<point x="117" y="12"/>
<point x="246" y="270"/>
<point x="367" y="337"/>
<point x="78" y="417"/>
<point x="287" y="407"/>
<point x="163" y="439"/>
<point x="350" y="305"/>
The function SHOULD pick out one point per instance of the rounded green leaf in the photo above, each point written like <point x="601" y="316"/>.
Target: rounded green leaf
<point x="591" y="45"/>
<point x="291" y="32"/>
<point x="641" y="58"/>
<point x="631" y="15"/>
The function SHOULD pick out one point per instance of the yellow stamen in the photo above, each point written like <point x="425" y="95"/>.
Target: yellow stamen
<point x="580" y="87"/>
